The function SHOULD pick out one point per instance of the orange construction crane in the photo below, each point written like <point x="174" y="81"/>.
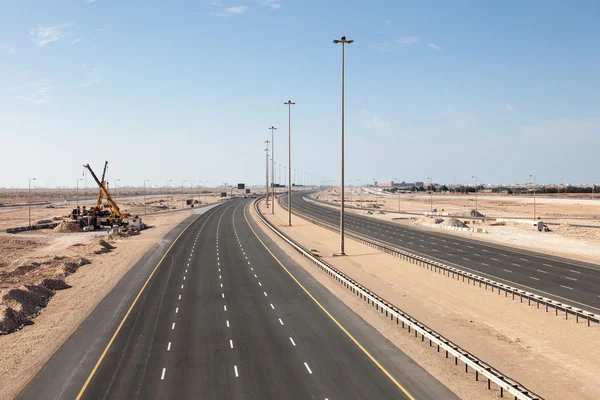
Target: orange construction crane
<point x="117" y="217"/>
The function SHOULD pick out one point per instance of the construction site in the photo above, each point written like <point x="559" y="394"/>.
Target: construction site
<point x="43" y="245"/>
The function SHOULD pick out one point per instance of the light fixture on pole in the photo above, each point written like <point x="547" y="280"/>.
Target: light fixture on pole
<point x="289" y="104"/>
<point x="29" y="199"/>
<point x="272" y="128"/>
<point x="116" y="181"/>
<point x="343" y="41"/>
<point x="398" y="193"/>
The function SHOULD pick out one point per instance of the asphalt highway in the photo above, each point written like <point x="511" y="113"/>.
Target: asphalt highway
<point x="228" y="315"/>
<point x="558" y="278"/>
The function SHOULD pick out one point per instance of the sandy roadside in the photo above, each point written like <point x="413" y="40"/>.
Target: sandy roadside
<point x="24" y="352"/>
<point x="554" y="358"/>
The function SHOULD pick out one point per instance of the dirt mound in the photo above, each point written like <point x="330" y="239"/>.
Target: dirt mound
<point x="67" y="227"/>
<point x="428" y="220"/>
<point x="43" y="221"/>
<point x="55" y="284"/>
<point x="453" y="222"/>
<point x="472" y="213"/>
<point x="18" y="306"/>
<point x="72" y="266"/>
<point x="56" y="218"/>
<point x="102" y="246"/>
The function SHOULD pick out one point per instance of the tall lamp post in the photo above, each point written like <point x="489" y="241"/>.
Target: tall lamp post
<point x="475" y="176"/>
<point x="145" y="180"/>
<point x="267" y="173"/>
<point x="398" y="193"/>
<point x="360" y="190"/>
<point x="116" y="181"/>
<point x="289" y="104"/>
<point x="343" y="41"/>
<point x="192" y="189"/>
<point x="168" y="193"/>
<point x="534" y="213"/>
<point x="77" y="195"/>
<point x="29" y="199"/>
<point x="594" y="187"/>
<point x="182" y="184"/>
<point x="272" y="128"/>
<point x="430" y="194"/>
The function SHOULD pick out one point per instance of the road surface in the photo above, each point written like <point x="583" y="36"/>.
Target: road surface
<point x="565" y="280"/>
<point x="221" y="318"/>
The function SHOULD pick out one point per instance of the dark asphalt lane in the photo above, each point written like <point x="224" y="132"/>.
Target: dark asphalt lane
<point x="222" y="319"/>
<point x="561" y="279"/>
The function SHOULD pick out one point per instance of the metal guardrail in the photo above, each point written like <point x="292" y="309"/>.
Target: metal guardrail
<point x="468" y="276"/>
<point x="451" y="349"/>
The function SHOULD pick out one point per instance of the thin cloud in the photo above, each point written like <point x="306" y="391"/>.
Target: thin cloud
<point x="272" y="4"/>
<point x="388" y="22"/>
<point x="7" y="49"/>
<point x="372" y="123"/>
<point x="407" y="40"/>
<point x="89" y="1"/>
<point x="90" y="83"/>
<point x="508" y="107"/>
<point x="229" y="11"/>
<point x="380" y="46"/>
<point x="434" y="46"/>
<point x="76" y="40"/>
<point x="40" y="95"/>
<point x="42" y="35"/>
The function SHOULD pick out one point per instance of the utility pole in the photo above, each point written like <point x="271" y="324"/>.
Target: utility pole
<point x="474" y="176"/>
<point x="343" y="41"/>
<point x="145" y="210"/>
<point x="289" y="104"/>
<point x="267" y="173"/>
<point x="77" y="195"/>
<point x="29" y="199"/>
<point x="534" y="213"/>
<point x="182" y="183"/>
<point x="272" y="128"/>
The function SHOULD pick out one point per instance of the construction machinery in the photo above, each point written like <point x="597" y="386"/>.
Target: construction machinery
<point x="115" y="216"/>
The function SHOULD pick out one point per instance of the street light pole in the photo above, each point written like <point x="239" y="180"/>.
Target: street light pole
<point x="431" y="194"/>
<point x="267" y="173"/>
<point x="272" y="128"/>
<point x="475" y="193"/>
<point x="145" y="180"/>
<point x="289" y="104"/>
<point x="343" y="41"/>
<point x="534" y="213"/>
<point x="77" y="195"/>
<point x="29" y="199"/>
<point x="116" y="180"/>
<point x="398" y="193"/>
<point x="182" y="183"/>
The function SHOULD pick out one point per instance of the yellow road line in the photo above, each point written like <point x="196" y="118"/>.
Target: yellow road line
<point x="331" y="316"/>
<point x="112" y="339"/>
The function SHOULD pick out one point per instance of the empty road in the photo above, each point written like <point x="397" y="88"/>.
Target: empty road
<point x="227" y="315"/>
<point x="564" y="280"/>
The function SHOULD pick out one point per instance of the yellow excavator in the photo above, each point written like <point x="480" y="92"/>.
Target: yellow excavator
<point x="116" y="217"/>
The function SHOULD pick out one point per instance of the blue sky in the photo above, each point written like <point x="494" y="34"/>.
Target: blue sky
<point x="187" y="90"/>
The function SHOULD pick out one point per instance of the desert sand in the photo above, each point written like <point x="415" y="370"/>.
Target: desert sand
<point x="555" y="358"/>
<point x="25" y="351"/>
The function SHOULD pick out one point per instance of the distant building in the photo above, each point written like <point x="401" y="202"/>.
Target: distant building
<point x="399" y="185"/>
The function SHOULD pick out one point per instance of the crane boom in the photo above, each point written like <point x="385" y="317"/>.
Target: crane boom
<point x="99" y="201"/>
<point x="113" y="205"/>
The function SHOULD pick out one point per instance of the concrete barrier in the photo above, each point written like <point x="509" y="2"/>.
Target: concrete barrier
<point x="51" y="225"/>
